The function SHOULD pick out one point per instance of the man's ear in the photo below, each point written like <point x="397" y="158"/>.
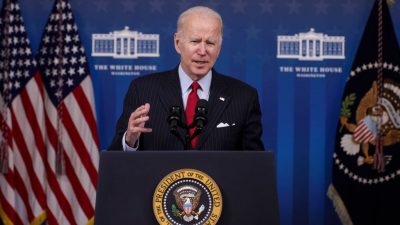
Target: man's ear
<point x="176" y="43"/>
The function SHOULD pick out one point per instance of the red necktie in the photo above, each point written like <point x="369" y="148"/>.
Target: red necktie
<point x="193" y="98"/>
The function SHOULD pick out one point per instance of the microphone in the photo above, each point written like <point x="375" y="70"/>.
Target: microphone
<point x="174" y="118"/>
<point x="200" y="116"/>
<point x="174" y="121"/>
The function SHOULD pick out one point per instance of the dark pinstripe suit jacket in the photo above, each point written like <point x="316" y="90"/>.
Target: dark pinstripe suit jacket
<point x="231" y="102"/>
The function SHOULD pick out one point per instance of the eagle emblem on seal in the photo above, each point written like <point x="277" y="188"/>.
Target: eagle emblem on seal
<point x="187" y="199"/>
<point x="371" y="111"/>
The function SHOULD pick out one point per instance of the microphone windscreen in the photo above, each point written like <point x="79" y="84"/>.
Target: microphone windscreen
<point x="202" y="104"/>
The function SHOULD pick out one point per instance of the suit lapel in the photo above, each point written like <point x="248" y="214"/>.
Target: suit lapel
<point x="170" y="94"/>
<point x="170" y="91"/>
<point x="217" y="103"/>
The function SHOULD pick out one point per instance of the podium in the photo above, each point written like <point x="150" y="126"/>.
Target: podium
<point x="127" y="182"/>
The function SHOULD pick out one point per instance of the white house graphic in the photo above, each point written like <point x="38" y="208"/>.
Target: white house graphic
<point x="310" y="46"/>
<point x="126" y="44"/>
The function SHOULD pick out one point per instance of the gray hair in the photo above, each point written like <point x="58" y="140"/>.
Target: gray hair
<point x="198" y="10"/>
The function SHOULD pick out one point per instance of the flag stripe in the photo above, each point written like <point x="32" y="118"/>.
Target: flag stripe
<point x="76" y="186"/>
<point x="362" y="133"/>
<point x="85" y="131"/>
<point x="84" y="128"/>
<point x="34" y="109"/>
<point x="78" y="189"/>
<point x="24" y="189"/>
<point x="34" y="145"/>
<point x="84" y="105"/>
<point x="54" y="209"/>
<point x="11" y="188"/>
<point x="68" y="185"/>
<point x="30" y="148"/>
<point x="87" y="88"/>
<point x="79" y="145"/>
<point x="51" y="219"/>
<point x="361" y="129"/>
<point x="9" y="209"/>
<point x="21" y="189"/>
<point x="37" y="185"/>
<point x="363" y="136"/>
<point x="23" y="149"/>
<point x="52" y="179"/>
<point x="7" y="198"/>
<point x="23" y="174"/>
<point x="68" y="144"/>
<point x="19" y="197"/>
<point x="62" y="200"/>
<point x="78" y="167"/>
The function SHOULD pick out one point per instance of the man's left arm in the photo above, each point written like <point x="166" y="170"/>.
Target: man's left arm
<point x="251" y="138"/>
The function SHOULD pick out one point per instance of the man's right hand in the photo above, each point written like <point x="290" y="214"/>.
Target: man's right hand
<point x="136" y="123"/>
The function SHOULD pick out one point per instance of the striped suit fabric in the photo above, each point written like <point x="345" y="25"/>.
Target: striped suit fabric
<point x="234" y="115"/>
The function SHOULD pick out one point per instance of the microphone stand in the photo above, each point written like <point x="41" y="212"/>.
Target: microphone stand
<point x="188" y="138"/>
<point x="174" y="120"/>
<point x="200" y="120"/>
<point x="186" y="141"/>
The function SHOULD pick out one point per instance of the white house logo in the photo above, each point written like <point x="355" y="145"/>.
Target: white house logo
<point x="125" y="44"/>
<point x="311" y="46"/>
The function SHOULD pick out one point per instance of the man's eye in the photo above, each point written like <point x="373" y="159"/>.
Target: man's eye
<point x="211" y="43"/>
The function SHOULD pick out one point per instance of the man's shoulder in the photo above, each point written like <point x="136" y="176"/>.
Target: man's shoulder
<point x="153" y="78"/>
<point x="233" y="83"/>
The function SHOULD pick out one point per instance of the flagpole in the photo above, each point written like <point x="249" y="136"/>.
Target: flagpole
<point x="60" y="161"/>
<point x="379" y="163"/>
<point x="5" y="132"/>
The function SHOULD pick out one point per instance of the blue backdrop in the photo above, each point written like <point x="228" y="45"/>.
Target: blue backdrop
<point x="300" y="97"/>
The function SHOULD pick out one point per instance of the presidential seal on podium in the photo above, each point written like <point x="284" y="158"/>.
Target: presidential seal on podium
<point x="187" y="197"/>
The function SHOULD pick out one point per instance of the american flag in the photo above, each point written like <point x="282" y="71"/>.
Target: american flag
<point x="73" y="146"/>
<point x="22" y="139"/>
<point x="365" y="130"/>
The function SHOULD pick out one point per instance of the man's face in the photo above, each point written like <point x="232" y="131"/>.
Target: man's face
<point x="199" y="44"/>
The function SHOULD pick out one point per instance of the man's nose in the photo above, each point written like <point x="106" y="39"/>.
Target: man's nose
<point x="202" y="49"/>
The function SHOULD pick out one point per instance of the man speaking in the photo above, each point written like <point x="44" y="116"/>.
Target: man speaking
<point x="191" y="106"/>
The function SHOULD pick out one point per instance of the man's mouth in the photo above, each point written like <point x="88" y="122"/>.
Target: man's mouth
<point x="200" y="62"/>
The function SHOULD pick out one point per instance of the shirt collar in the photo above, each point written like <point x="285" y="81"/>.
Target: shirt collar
<point x="186" y="81"/>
